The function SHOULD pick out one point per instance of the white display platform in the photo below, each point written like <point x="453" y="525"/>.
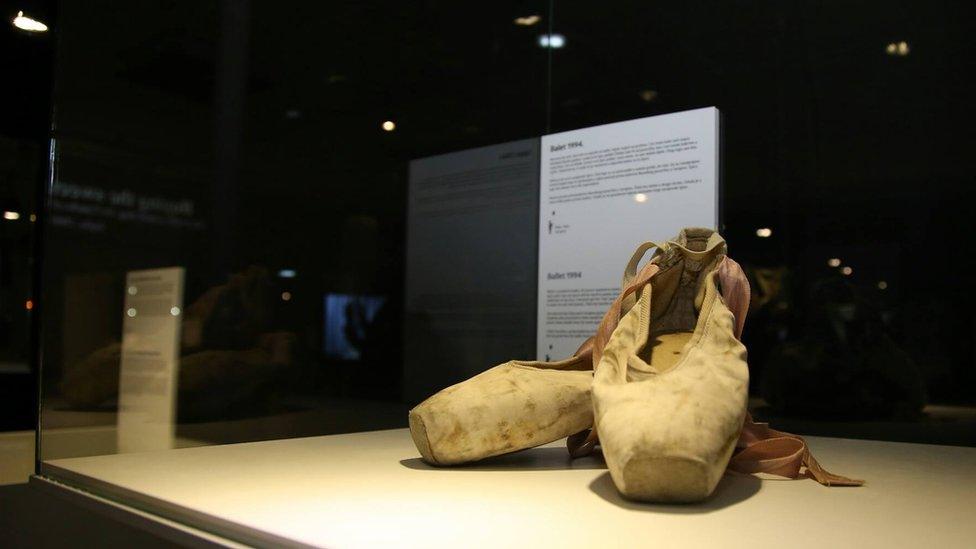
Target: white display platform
<point x="371" y="490"/>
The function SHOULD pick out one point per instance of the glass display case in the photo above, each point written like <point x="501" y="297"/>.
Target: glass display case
<point x="270" y="232"/>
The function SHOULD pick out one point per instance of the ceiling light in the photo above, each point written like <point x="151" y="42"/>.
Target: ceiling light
<point x="648" y="95"/>
<point x="833" y="262"/>
<point x="26" y="23"/>
<point x="882" y="285"/>
<point x="527" y="21"/>
<point x="640" y="197"/>
<point x="847" y="271"/>
<point x="554" y="41"/>
<point x="389" y="126"/>
<point x="131" y="312"/>
<point x="11" y="216"/>
<point x="29" y="305"/>
<point x="764" y="232"/>
<point x="900" y="49"/>
<point x="286" y="296"/>
<point x="175" y="311"/>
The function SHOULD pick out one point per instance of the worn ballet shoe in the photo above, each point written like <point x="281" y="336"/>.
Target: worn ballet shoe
<point x="670" y="386"/>
<point x="511" y="407"/>
<point x="515" y="405"/>
<point x="670" y="390"/>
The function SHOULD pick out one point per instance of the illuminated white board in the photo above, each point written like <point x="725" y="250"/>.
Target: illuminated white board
<point x="603" y="191"/>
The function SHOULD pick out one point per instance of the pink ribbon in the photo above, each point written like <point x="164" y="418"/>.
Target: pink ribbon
<point x="762" y="449"/>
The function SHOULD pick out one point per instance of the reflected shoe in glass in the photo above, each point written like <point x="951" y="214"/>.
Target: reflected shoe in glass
<point x="515" y="405"/>
<point x="670" y="389"/>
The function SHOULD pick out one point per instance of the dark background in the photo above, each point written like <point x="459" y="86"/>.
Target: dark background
<point x="267" y="117"/>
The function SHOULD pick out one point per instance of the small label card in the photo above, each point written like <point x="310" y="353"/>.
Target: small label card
<point x="150" y="365"/>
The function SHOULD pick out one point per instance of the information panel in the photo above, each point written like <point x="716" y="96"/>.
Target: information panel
<point x="603" y="191"/>
<point x="150" y="359"/>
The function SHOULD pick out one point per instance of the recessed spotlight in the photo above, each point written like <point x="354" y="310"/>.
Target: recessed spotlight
<point x="833" y="262"/>
<point x="901" y="49"/>
<point x="23" y="22"/>
<point x="554" y="41"/>
<point x="131" y="312"/>
<point x="175" y="311"/>
<point x="847" y="271"/>
<point x="527" y="21"/>
<point x="640" y="197"/>
<point x="286" y="296"/>
<point x="389" y="126"/>
<point x="882" y="285"/>
<point x="287" y="273"/>
<point x="764" y="232"/>
<point x="29" y="305"/>
<point x="11" y="216"/>
<point x="648" y="95"/>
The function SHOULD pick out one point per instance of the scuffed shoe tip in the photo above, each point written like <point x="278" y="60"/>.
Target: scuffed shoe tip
<point x="664" y="480"/>
<point x="510" y="407"/>
<point x="419" y="433"/>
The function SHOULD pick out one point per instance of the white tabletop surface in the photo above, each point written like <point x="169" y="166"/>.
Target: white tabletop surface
<point x="371" y="489"/>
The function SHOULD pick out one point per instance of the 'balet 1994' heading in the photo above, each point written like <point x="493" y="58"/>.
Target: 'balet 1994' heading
<point x="568" y="274"/>
<point x="564" y="146"/>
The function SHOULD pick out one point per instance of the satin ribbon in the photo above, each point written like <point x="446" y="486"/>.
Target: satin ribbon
<point x="761" y="449"/>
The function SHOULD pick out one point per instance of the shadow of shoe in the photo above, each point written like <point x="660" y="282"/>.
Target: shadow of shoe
<point x="732" y="489"/>
<point x="533" y="459"/>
